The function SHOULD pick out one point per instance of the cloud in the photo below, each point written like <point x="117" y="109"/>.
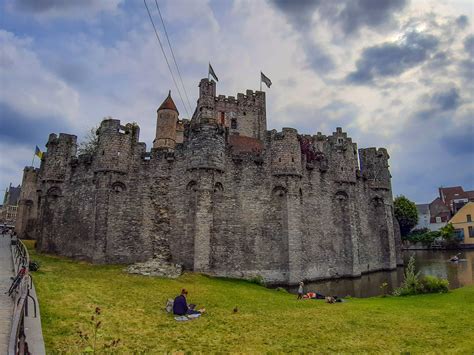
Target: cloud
<point x="469" y="45"/>
<point x="298" y="13"/>
<point x="393" y="58"/>
<point x="17" y="128"/>
<point x="462" y="21"/>
<point x="460" y="142"/>
<point x="446" y="100"/>
<point x="65" y="8"/>
<point x="356" y="14"/>
<point x="349" y="15"/>
<point x="29" y="88"/>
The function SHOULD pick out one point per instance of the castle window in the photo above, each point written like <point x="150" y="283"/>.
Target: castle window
<point x="244" y="113"/>
<point x="233" y="123"/>
<point x="340" y="140"/>
<point x="218" y="187"/>
<point x="118" y="187"/>
<point x="279" y="191"/>
<point x="468" y="217"/>
<point x="192" y="186"/>
<point x="292" y="159"/>
<point x="279" y="159"/>
<point x="54" y="192"/>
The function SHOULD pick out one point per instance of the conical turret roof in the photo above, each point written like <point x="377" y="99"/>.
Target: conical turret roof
<point x="168" y="104"/>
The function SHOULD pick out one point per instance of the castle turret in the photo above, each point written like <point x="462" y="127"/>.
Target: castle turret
<point x="286" y="153"/>
<point x="27" y="205"/>
<point x="374" y="167"/>
<point x="167" y="117"/>
<point x="59" y="153"/>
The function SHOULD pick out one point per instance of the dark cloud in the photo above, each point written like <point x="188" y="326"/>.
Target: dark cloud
<point x="462" y="21"/>
<point x="392" y="59"/>
<point x="318" y="59"/>
<point x="371" y="13"/>
<point x="439" y="105"/>
<point x="36" y="6"/>
<point x="446" y="100"/>
<point x="17" y="128"/>
<point x="460" y="141"/>
<point x="349" y="15"/>
<point x="298" y="12"/>
<point x="469" y="45"/>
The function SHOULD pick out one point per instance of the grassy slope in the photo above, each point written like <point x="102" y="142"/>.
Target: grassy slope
<point x="132" y="310"/>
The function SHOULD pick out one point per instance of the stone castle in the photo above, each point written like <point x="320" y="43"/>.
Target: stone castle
<point x="218" y="194"/>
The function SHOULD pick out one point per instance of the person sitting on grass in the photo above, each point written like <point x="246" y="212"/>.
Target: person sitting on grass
<point x="180" y="306"/>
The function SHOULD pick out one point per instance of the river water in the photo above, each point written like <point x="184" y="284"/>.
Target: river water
<point x="434" y="263"/>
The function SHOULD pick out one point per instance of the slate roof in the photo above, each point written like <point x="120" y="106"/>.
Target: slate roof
<point x="423" y="208"/>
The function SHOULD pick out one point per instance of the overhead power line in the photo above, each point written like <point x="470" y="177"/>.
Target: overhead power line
<point x="174" y="58"/>
<point x="166" y="58"/>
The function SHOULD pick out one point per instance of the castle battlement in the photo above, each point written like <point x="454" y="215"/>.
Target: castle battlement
<point x="218" y="194"/>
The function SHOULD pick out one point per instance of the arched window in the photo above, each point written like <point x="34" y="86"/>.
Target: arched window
<point x="118" y="187"/>
<point x="279" y="191"/>
<point x="341" y="196"/>
<point x="54" y="192"/>
<point x="218" y="187"/>
<point x="192" y="186"/>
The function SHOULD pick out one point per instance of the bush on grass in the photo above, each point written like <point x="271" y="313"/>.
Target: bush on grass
<point x="414" y="285"/>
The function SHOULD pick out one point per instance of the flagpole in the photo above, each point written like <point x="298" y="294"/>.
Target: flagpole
<point x="208" y="71"/>
<point x="260" y="80"/>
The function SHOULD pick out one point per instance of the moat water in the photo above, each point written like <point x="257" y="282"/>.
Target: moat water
<point x="434" y="263"/>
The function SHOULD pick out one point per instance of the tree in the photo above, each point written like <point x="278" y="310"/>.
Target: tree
<point x="90" y="143"/>
<point x="406" y="214"/>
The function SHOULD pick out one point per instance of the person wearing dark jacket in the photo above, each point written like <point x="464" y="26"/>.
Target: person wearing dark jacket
<point x="180" y="305"/>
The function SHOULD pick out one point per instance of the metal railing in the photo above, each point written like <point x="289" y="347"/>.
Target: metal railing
<point x="20" y="291"/>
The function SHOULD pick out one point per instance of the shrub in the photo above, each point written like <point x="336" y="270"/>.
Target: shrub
<point x="413" y="285"/>
<point x="257" y="280"/>
<point x="433" y="284"/>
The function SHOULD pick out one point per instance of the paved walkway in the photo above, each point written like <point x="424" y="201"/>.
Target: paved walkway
<point x="6" y="302"/>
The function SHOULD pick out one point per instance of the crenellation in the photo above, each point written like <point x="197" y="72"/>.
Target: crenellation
<point x="219" y="194"/>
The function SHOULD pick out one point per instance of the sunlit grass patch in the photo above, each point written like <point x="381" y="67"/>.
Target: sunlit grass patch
<point x="132" y="310"/>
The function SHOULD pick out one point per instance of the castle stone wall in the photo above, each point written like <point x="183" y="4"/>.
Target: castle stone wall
<point x="282" y="205"/>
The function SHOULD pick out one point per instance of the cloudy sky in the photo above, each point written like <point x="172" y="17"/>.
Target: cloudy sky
<point x="392" y="73"/>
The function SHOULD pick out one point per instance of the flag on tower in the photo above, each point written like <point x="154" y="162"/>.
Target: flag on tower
<point x="265" y="79"/>
<point x="38" y="153"/>
<point x="212" y="73"/>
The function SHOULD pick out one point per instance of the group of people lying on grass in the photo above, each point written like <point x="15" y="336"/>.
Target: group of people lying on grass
<point x="316" y="295"/>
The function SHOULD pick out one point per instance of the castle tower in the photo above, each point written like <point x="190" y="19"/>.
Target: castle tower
<point x="286" y="169"/>
<point x="27" y="205"/>
<point x="167" y="117"/>
<point x="206" y="162"/>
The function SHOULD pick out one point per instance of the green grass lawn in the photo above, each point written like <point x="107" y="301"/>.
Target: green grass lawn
<point x="132" y="310"/>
